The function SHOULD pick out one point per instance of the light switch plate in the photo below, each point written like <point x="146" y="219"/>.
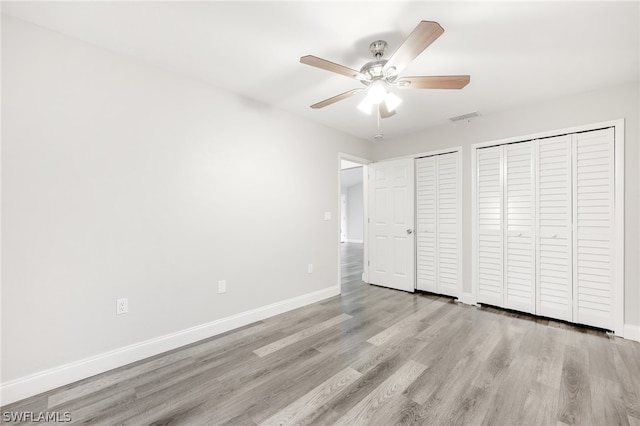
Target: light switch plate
<point x="327" y="215"/>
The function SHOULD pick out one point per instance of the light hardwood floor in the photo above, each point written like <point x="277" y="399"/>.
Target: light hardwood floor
<point x="372" y="356"/>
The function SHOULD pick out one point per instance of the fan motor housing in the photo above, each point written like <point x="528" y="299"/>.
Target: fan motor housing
<point x="375" y="69"/>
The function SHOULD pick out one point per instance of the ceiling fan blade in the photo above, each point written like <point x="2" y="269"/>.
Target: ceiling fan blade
<point x="434" y="82"/>
<point x="335" y="99"/>
<point x="420" y="38"/>
<point x="384" y="111"/>
<point x="314" y="61"/>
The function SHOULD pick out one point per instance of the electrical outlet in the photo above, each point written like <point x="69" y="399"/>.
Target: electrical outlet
<point x="122" y="306"/>
<point x="222" y="286"/>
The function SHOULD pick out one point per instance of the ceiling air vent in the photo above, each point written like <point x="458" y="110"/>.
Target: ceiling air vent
<point x="467" y="116"/>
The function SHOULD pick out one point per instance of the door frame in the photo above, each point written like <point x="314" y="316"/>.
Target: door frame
<point x="343" y="218"/>
<point x="365" y="208"/>
<point x="618" y="258"/>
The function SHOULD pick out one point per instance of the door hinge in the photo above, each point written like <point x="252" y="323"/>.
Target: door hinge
<point x="368" y="263"/>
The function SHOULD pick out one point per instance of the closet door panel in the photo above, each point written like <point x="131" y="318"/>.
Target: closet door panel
<point x="554" y="239"/>
<point x="547" y="227"/>
<point x="519" y="270"/>
<point x="593" y="215"/>
<point x="489" y="225"/>
<point x="447" y="224"/>
<point x="426" y="224"/>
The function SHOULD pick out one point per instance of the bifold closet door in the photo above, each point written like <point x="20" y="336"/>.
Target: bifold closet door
<point x="506" y="226"/>
<point x="593" y="217"/>
<point x="426" y="224"/>
<point x="554" y="292"/>
<point x="438" y="206"/>
<point x="448" y="206"/>
<point x="546" y="228"/>
<point x="519" y="249"/>
<point x="489" y="249"/>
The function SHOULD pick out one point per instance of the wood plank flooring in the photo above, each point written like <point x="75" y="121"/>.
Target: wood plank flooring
<point x="371" y="356"/>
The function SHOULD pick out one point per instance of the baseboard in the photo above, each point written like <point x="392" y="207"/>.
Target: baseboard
<point x="37" y="383"/>
<point x="632" y="332"/>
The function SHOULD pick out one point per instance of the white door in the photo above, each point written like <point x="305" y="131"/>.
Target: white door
<point x="554" y="293"/>
<point x="519" y="243"/>
<point x="437" y="225"/>
<point x="426" y="226"/>
<point x="449" y="206"/>
<point x="489" y="249"/>
<point x="547" y="225"/>
<point x="391" y="223"/>
<point x="593" y="219"/>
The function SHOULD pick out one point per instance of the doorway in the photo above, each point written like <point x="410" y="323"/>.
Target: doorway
<point x="352" y="250"/>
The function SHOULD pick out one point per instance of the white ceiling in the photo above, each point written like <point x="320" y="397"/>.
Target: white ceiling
<point x="344" y="164"/>
<point x="517" y="53"/>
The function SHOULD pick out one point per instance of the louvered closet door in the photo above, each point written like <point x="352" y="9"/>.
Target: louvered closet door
<point x="489" y="239"/>
<point x="426" y="224"/>
<point x="438" y="215"/>
<point x="519" y="268"/>
<point x="447" y="208"/>
<point x="593" y="191"/>
<point x="554" y="237"/>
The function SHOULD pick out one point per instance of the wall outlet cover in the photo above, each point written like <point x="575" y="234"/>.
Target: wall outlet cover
<point x="122" y="306"/>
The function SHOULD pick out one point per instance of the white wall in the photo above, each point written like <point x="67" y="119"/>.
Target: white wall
<point x="607" y="104"/>
<point x="355" y="213"/>
<point x="122" y="180"/>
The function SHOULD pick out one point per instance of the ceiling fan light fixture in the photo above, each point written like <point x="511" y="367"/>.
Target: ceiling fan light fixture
<point x="376" y="92"/>
<point x="392" y="101"/>
<point x="366" y="106"/>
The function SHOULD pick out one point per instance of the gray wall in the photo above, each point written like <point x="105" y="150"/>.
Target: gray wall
<point x="122" y="180"/>
<point x="602" y="105"/>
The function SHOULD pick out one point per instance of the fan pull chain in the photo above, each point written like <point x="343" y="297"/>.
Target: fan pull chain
<point x="378" y="136"/>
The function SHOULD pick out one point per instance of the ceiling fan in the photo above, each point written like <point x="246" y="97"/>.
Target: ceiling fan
<point x="380" y="73"/>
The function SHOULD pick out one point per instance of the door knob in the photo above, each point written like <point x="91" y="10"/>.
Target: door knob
<point x="409" y="231"/>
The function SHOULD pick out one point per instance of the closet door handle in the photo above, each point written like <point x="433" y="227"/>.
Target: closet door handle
<point x="409" y="231"/>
